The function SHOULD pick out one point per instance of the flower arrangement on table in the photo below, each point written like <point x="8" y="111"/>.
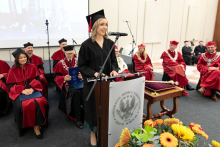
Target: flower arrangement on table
<point x="168" y="133"/>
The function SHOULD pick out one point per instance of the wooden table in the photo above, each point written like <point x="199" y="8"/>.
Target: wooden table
<point x="163" y="95"/>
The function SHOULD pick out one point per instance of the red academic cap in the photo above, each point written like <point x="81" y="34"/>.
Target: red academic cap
<point x="174" y="42"/>
<point x="116" y="47"/>
<point x="210" y="43"/>
<point x="141" y="45"/>
<point x="92" y="18"/>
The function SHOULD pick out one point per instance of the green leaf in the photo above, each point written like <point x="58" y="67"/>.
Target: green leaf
<point x="153" y="133"/>
<point x="166" y="128"/>
<point x="137" y="131"/>
<point x="154" y="138"/>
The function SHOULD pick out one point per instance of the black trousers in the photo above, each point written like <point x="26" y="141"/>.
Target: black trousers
<point x="76" y="106"/>
<point x="189" y="59"/>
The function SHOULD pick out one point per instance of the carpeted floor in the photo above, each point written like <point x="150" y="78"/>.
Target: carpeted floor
<point x="63" y="132"/>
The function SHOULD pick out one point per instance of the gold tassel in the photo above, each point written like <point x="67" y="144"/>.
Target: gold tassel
<point x="154" y="93"/>
<point x="180" y="89"/>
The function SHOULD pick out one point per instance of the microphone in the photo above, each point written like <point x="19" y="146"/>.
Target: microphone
<point x="46" y="22"/>
<point x="121" y="49"/>
<point x="117" y="34"/>
<point x="74" y="41"/>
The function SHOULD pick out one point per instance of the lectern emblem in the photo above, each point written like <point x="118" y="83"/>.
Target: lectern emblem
<point x="126" y="108"/>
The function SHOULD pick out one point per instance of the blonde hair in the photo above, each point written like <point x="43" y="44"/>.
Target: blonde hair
<point x="138" y="53"/>
<point x="94" y="30"/>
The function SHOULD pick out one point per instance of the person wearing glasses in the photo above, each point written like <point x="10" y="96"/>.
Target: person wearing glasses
<point x="71" y="99"/>
<point x="208" y="66"/>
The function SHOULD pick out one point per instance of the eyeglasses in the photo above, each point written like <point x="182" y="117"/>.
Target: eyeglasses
<point x="69" y="54"/>
<point x="210" y="47"/>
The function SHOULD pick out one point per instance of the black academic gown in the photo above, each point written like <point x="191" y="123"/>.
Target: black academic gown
<point x="198" y="49"/>
<point x="91" y="57"/>
<point x="186" y="53"/>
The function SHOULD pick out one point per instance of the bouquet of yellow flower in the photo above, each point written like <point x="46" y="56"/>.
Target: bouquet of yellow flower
<point x="168" y="133"/>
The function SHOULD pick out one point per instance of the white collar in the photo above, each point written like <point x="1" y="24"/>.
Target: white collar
<point x="212" y="53"/>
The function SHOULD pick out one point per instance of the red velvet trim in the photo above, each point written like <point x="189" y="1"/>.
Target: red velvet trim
<point x="15" y="91"/>
<point x="45" y="86"/>
<point x="17" y="75"/>
<point x="58" y="55"/>
<point x="3" y="86"/>
<point x="36" y="85"/>
<point x="4" y="67"/>
<point x="41" y="71"/>
<point x="36" y="60"/>
<point x="29" y="111"/>
<point x="59" y="81"/>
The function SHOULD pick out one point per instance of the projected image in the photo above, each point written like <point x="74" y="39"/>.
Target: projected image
<point x="24" y="20"/>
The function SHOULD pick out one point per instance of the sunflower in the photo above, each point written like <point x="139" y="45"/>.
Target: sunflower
<point x="170" y="121"/>
<point x="183" y="132"/>
<point x="168" y="140"/>
<point x="150" y="123"/>
<point x="158" y="121"/>
<point x="117" y="145"/>
<point x="148" y="145"/>
<point x="215" y="143"/>
<point x="124" y="138"/>
<point x="199" y="131"/>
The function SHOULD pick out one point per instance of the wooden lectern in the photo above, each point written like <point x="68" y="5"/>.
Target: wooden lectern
<point x="105" y="109"/>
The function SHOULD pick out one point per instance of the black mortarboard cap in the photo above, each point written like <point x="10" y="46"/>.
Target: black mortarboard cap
<point x="62" y="40"/>
<point x="92" y="18"/>
<point x="17" y="52"/>
<point x="28" y="44"/>
<point x="68" y="48"/>
<point x="186" y="41"/>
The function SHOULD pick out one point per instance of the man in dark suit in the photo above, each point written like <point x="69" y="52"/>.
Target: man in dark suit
<point x="187" y="54"/>
<point x="199" y="49"/>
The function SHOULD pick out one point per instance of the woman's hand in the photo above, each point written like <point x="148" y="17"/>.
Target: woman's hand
<point x="28" y="91"/>
<point x="67" y="78"/>
<point x="113" y="73"/>
<point x="1" y="76"/>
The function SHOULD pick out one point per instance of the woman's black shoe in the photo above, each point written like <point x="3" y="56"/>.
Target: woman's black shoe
<point x="189" y="88"/>
<point x="79" y="124"/>
<point x="40" y="136"/>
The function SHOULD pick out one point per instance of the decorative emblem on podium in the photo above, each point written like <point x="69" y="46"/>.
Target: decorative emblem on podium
<point x="126" y="108"/>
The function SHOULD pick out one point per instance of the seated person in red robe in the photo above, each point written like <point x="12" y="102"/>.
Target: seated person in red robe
<point x="175" y="67"/>
<point x="71" y="99"/>
<point x="59" y="55"/>
<point x="24" y="78"/>
<point x="123" y="68"/>
<point x="208" y="66"/>
<point x="4" y="99"/>
<point x="143" y="63"/>
<point x="33" y="59"/>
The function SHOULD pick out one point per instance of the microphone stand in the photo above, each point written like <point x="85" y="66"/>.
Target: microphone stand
<point x="133" y="47"/>
<point x="100" y="96"/>
<point x="48" y="44"/>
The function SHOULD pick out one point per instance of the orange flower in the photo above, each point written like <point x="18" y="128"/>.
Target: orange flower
<point x="199" y="131"/>
<point x="215" y="143"/>
<point x="195" y="125"/>
<point x="150" y="123"/>
<point x="148" y="145"/>
<point x="117" y="145"/>
<point x="168" y="140"/>
<point x="170" y="121"/>
<point x="158" y="121"/>
<point x="124" y="138"/>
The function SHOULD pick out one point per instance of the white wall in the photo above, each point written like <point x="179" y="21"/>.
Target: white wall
<point x="153" y="23"/>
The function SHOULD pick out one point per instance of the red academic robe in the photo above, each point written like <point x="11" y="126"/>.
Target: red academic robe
<point x="4" y="68"/>
<point x="60" y="69"/>
<point x="39" y="63"/>
<point x="57" y="56"/>
<point x="18" y="79"/>
<point x="142" y="67"/>
<point x="174" y="70"/>
<point x="209" y="79"/>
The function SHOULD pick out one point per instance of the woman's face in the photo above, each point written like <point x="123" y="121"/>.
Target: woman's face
<point x="103" y="26"/>
<point x="22" y="59"/>
<point x="141" y="49"/>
